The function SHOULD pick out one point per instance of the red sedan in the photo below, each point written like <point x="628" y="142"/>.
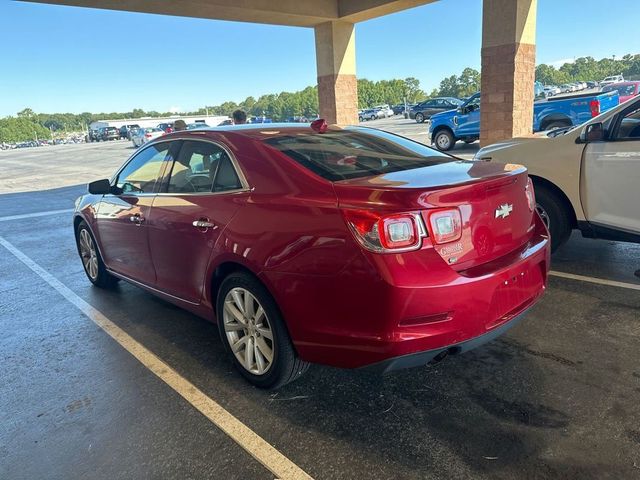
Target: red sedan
<point x="626" y="90"/>
<point x="348" y="247"/>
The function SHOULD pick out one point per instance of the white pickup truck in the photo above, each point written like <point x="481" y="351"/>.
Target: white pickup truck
<point x="585" y="177"/>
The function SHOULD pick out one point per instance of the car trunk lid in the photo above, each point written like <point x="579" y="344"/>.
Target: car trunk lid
<point x="495" y="214"/>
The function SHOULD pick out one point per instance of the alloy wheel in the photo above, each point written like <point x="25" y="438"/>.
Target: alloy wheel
<point x="248" y="331"/>
<point x="88" y="254"/>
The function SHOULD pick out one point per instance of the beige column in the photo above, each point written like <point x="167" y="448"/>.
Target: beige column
<point x="336" y="61"/>
<point x="508" y="69"/>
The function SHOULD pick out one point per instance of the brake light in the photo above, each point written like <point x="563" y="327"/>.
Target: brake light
<point x="446" y="225"/>
<point x="148" y="135"/>
<point x="381" y="233"/>
<point x="594" y="105"/>
<point x="531" y="196"/>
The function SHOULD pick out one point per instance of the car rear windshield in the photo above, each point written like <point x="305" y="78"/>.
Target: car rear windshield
<point x="345" y="154"/>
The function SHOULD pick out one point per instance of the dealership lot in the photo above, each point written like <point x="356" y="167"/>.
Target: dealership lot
<point x="555" y="397"/>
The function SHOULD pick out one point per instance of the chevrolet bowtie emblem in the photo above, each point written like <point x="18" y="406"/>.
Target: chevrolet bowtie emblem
<point x="504" y="210"/>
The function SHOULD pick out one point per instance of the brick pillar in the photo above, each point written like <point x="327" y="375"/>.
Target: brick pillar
<point x="336" y="62"/>
<point x="508" y="69"/>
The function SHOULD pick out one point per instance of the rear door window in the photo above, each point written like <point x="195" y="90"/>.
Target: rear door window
<point x="202" y="167"/>
<point x="354" y="153"/>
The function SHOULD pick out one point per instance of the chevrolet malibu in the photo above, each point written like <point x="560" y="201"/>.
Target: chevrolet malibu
<point x="349" y="247"/>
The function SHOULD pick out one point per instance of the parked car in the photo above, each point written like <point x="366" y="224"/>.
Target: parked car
<point x="398" y="109"/>
<point x="446" y="128"/>
<point x="143" y="135"/>
<point x="125" y="130"/>
<point x="551" y="90"/>
<point x="108" y="133"/>
<point x="369" y="114"/>
<point x="584" y="177"/>
<point x="260" y="120"/>
<point x="166" y="127"/>
<point x="94" y="135"/>
<point x="626" y="90"/>
<point x="295" y="262"/>
<point x="424" y="110"/>
<point x="386" y="110"/>
<point x="193" y="126"/>
<point x="612" y="79"/>
<point x="592" y="84"/>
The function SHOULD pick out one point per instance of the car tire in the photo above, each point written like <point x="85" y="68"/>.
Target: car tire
<point x="444" y="140"/>
<point x="239" y="319"/>
<point x="91" y="259"/>
<point x="419" y="118"/>
<point x="555" y="214"/>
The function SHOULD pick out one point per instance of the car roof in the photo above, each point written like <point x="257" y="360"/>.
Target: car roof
<point x="257" y="131"/>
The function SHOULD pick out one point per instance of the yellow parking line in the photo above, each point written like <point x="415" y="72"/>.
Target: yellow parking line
<point x="599" y="281"/>
<point x="260" y="449"/>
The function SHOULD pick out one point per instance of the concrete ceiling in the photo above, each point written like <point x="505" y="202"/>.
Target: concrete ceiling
<point x="300" y="13"/>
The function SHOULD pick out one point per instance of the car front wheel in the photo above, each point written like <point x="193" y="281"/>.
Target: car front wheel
<point x="419" y="118"/>
<point x="92" y="260"/>
<point x="253" y="330"/>
<point x="444" y="140"/>
<point x="552" y="209"/>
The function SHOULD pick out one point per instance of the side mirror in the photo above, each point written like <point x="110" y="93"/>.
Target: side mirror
<point x="592" y="133"/>
<point x="461" y="110"/>
<point x="99" y="187"/>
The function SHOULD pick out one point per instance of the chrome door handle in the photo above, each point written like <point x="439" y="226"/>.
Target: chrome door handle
<point x="203" y="223"/>
<point x="137" y="219"/>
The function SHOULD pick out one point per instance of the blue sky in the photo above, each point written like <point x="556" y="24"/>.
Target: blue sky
<point x="67" y="59"/>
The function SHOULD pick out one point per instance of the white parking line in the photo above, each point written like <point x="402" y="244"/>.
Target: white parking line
<point x="260" y="449"/>
<point x="37" y="214"/>
<point x="599" y="281"/>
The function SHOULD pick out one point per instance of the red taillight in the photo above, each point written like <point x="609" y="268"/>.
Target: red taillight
<point x="594" y="105"/>
<point x="445" y="225"/>
<point x="399" y="231"/>
<point x="148" y="135"/>
<point x="531" y="197"/>
<point x="383" y="233"/>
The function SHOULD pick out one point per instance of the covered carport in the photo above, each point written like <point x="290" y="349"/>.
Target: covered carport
<point x="107" y="384"/>
<point x="508" y="48"/>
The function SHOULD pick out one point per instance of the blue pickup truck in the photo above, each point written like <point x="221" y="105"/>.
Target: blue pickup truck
<point x="463" y="124"/>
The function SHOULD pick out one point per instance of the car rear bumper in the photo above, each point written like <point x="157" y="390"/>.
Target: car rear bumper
<point x="421" y="359"/>
<point x="390" y="307"/>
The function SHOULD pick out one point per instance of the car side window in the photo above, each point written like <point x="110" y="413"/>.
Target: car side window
<point x="202" y="167"/>
<point x="226" y="177"/>
<point x="629" y="128"/>
<point x="142" y="172"/>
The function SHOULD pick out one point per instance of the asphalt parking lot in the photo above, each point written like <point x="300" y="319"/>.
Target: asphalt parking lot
<point x="556" y="397"/>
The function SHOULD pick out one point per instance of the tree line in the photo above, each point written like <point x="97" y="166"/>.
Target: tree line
<point x="28" y="125"/>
